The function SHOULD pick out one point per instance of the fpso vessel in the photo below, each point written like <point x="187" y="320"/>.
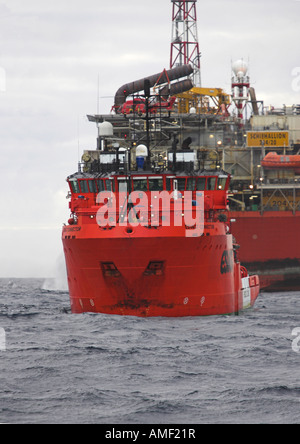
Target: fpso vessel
<point x="148" y="242"/>
<point x="261" y="153"/>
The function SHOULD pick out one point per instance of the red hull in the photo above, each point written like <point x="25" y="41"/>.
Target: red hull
<point x="189" y="276"/>
<point x="270" y="246"/>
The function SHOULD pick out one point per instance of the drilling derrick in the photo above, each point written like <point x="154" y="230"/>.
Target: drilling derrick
<point x="184" y="45"/>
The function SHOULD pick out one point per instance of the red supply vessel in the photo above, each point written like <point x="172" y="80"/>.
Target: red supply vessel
<point x="148" y="269"/>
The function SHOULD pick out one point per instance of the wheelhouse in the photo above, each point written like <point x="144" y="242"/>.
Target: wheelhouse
<point x="148" y="183"/>
<point x="85" y="189"/>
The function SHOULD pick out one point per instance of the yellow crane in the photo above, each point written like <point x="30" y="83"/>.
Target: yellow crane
<point x="199" y="99"/>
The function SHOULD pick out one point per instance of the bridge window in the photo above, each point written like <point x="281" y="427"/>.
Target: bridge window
<point x="92" y="186"/>
<point x="110" y="185"/>
<point x="181" y="184"/>
<point x="100" y="185"/>
<point x="74" y="186"/>
<point x="201" y="184"/>
<point x="155" y="184"/>
<point x="169" y="183"/>
<point x="140" y="184"/>
<point x="222" y="183"/>
<point x="191" y="182"/>
<point x="84" y="186"/>
<point x="211" y="183"/>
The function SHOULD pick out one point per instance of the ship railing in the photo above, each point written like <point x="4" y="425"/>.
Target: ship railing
<point x="153" y="219"/>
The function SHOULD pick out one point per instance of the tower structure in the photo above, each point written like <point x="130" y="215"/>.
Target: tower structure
<point x="240" y="87"/>
<point x="185" y="45"/>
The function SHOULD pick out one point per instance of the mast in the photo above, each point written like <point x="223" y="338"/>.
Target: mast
<point x="185" y="45"/>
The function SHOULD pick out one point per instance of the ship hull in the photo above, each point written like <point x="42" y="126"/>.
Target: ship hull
<point x="270" y="247"/>
<point x="149" y="273"/>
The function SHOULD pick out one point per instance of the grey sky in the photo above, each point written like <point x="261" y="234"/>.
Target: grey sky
<point x="51" y="54"/>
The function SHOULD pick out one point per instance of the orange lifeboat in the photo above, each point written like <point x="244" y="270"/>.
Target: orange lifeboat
<point x="278" y="161"/>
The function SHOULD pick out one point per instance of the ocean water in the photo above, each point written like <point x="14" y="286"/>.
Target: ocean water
<point x="92" y="368"/>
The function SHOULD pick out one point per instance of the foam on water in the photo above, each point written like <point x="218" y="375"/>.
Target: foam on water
<point x="59" y="282"/>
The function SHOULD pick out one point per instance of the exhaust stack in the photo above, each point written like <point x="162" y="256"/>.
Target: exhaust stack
<point x="156" y="79"/>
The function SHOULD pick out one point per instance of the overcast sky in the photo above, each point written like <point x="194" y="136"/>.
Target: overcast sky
<point x="51" y="56"/>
